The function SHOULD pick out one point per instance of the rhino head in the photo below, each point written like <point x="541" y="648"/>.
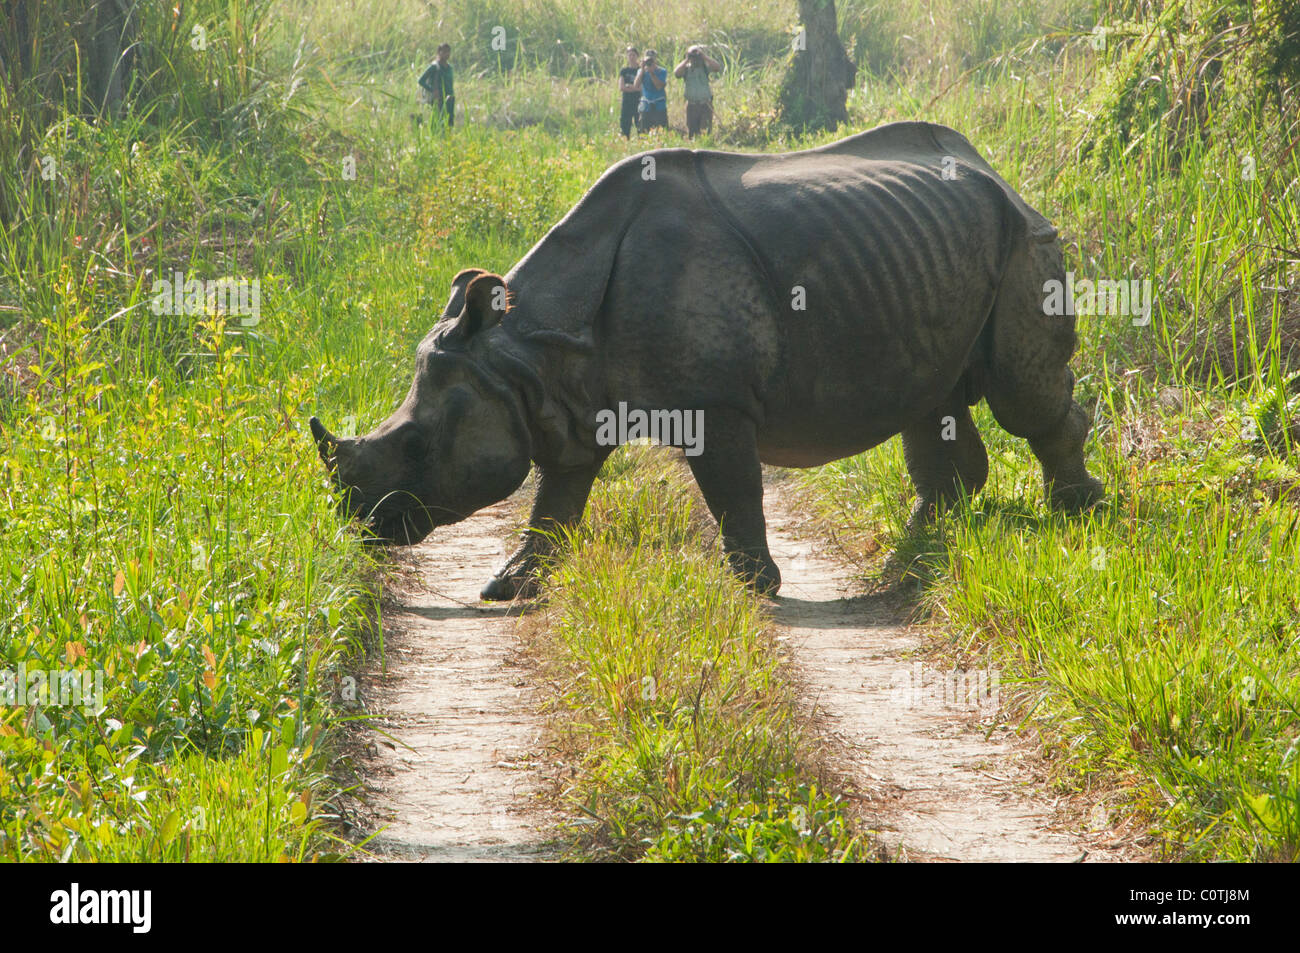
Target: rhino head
<point x="457" y="443"/>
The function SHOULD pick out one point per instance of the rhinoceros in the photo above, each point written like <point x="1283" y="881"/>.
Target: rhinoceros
<point x="808" y="306"/>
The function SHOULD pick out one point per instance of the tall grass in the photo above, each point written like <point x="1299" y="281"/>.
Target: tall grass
<point x="1153" y="643"/>
<point x="163" y="527"/>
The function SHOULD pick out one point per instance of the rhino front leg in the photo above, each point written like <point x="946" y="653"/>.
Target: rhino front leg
<point x="731" y="479"/>
<point x="561" y="498"/>
<point x="1057" y="440"/>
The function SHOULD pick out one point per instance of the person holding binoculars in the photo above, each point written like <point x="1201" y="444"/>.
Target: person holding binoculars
<point x="695" y="69"/>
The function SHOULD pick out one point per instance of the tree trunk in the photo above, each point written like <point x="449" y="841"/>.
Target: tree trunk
<point x="113" y="34"/>
<point x="15" y="44"/>
<point x="819" y="74"/>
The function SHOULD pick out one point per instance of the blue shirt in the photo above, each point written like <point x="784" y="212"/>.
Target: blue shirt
<point x="651" y="94"/>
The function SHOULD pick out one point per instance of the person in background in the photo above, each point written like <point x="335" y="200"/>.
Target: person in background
<point x="652" y="83"/>
<point x="437" y="87"/>
<point x="699" y="95"/>
<point x="631" y="95"/>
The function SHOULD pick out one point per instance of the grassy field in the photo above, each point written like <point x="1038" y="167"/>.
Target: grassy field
<point x="164" y="521"/>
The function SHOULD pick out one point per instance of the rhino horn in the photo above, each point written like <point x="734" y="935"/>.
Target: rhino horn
<point x="326" y="442"/>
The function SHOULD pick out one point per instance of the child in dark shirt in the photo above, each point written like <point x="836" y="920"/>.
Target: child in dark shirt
<point x="631" y="95"/>
<point x="437" y="87"/>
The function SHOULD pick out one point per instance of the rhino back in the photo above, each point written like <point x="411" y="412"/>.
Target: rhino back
<point x="882" y="274"/>
<point x="929" y="144"/>
<point x="683" y="289"/>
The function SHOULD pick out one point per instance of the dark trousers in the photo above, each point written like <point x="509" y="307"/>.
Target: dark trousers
<point x="655" y="116"/>
<point x="699" y="118"/>
<point x="627" y="119"/>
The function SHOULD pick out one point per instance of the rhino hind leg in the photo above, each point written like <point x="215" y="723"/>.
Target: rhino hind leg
<point x="731" y="478"/>
<point x="1029" y="384"/>
<point x="945" y="458"/>
<point x="1068" y="483"/>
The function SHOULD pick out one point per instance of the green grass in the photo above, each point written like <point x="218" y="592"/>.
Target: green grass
<point x="1152" y="643"/>
<point x="150" y="539"/>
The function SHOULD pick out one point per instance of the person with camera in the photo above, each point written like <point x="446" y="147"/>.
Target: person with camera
<point x="652" y="81"/>
<point x="695" y="68"/>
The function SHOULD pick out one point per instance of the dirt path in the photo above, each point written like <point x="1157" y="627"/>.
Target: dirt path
<point x="449" y="770"/>
<point x="453" y="782"/>
<point x="943" y="780"/>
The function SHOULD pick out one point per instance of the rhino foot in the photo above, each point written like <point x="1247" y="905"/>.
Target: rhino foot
<point x="924" y="512"/>
<point x="759" y="572"/>
<point x="767" y="583"/>
<point x="505" y="588"/>
<point x="1076" y="497"/>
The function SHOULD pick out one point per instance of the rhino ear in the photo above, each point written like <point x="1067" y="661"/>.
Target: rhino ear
<point x="485" y="305"/>
<point x="456" y="303"/>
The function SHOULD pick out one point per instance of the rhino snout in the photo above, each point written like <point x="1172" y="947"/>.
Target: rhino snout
<point x="326" y="442"/>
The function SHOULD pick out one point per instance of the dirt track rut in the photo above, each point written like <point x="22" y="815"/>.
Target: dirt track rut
<point x="942" y="777"/>
<point x="454" y="780"/>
